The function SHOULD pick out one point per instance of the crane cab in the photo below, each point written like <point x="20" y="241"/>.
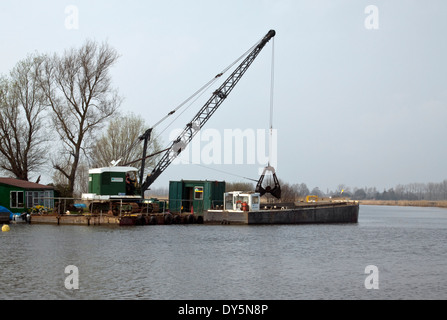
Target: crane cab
<point x="112" y="182"/>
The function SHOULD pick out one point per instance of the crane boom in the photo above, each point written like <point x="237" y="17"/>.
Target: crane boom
<point x="203" y="115"/>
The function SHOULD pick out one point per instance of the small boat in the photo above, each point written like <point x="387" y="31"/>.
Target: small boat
<point x="19" y="217"/>
<point x="4" y="215"/>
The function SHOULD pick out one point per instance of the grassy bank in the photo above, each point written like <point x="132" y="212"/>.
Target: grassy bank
<point x="404" y="203"/>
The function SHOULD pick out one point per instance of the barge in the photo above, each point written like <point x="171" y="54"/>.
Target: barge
<point x="245" y="208"/>
<point x="238" y="209"/>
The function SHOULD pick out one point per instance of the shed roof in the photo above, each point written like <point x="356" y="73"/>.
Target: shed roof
<point x="112" y="169"/>
<point x="24" y="184"/>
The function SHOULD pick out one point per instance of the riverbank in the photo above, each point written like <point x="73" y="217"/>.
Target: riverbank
<point x="405" y="203"/>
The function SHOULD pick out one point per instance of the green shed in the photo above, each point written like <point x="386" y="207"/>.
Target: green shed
<point x="19" y="195"/>
<point x="195" y="196"/>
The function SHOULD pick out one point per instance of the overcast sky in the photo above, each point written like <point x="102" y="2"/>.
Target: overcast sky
<point x="360" y="93"/>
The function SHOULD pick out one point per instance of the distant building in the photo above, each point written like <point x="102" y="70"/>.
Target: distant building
<point x="18" y="195"/>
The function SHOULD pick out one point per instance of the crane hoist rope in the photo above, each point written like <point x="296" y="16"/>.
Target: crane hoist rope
<point x="202" y="90"/>
<point x="219" y="170"/>
<point x="195" y="95"/>
<point x="205" y="113"/>
<point x="272" y="89"/>
<point x="276" y="189"/>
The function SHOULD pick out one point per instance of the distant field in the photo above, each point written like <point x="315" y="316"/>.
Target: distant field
<point x="418" y="203"/>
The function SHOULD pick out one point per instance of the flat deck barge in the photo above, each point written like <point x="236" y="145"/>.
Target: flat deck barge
<point x="301" y="213"/>
<point x="321" y="212"/>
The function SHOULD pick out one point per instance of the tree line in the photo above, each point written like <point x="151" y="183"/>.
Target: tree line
<point x="53" y="111"/>
<point x="413" y="191"/>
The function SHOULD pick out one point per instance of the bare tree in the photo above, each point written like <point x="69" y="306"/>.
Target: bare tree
<point x="77" y="87"/>
<point x="22" y="107"/>
<point x="239" y="186"/>
<point x="302" y="190"/>
<point x="81" y="183"/>
<point x="120" y="145"/>
<point x="121" y="142"/>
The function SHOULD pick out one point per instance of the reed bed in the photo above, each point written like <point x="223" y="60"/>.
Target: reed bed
<point x="405" y="203"/>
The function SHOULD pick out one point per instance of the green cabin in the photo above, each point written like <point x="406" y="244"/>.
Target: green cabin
<point x="195" y="196"/>
<point x="110" y="181"/>
<point x="18" y="195"/>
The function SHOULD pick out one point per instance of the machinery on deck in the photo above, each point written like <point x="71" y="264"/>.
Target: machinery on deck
<point x="202" y="116"/>
<point x="186" y="136"/>
<point x="275" y="190"/>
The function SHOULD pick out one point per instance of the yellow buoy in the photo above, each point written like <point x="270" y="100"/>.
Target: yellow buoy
<point x="5" y="228"/>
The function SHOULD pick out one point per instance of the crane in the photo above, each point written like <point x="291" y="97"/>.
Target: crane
<point x="200" y="119"/>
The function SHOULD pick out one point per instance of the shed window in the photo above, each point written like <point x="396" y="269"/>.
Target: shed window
<point x="198" y="193"/>
<point x="229" y="202"/>
<point x="255" y="200"/>
<point x="42" y="198"/>
<point x="16" y="199"/>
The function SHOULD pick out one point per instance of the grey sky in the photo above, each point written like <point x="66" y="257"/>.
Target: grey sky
<point x="353" y="106"/>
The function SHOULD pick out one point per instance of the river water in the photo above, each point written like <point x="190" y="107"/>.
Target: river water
<point x="408" y="247"/>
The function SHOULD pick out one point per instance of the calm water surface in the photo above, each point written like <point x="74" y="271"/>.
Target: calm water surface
<point x="408" y="246"/>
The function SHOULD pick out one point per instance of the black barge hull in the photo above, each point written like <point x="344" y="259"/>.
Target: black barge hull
<point x="324" y="213"/>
